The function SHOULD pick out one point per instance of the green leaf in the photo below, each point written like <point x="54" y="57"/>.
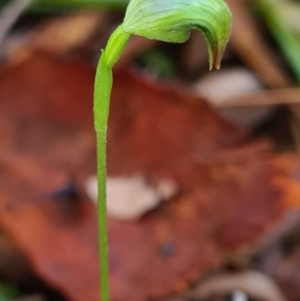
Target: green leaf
<point x="172" y="20"/>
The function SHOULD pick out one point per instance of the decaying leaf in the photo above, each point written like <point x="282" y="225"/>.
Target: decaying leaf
<point x="228" y="196"/>
<point x="63" y="34"/>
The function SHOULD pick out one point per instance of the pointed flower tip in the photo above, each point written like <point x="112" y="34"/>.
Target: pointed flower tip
<point x="218" y="66"/>
<point x="214" y="60"/>
<point x="217" y="62"/>
<point x="171" y="21"/>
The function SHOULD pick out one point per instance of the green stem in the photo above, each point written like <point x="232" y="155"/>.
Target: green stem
<point x="103" y="85"/>
<point x="102" y="224"/>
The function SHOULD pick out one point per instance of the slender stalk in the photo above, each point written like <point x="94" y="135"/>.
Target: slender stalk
<point x="102" y="223"/>
<point x="103" y="85"/>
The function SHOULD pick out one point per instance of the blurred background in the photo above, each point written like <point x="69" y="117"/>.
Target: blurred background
<point x="203" y="166"/>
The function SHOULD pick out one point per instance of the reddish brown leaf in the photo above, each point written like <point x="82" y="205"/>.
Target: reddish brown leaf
<point x="227" y="198"/>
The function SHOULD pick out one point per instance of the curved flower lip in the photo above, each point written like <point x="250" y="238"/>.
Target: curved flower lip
<point x="172" y="20"/>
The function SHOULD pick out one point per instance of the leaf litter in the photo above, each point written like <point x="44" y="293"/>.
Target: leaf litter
<point x="233" y="190"/>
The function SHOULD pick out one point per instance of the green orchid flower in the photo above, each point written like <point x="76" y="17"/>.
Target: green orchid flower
<point x="163" y="20"/>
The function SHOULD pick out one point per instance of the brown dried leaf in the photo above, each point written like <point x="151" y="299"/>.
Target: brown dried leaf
<point x="42" y="112"/>
<point x="61" y="35"/>
<point x="227" y="198"/>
